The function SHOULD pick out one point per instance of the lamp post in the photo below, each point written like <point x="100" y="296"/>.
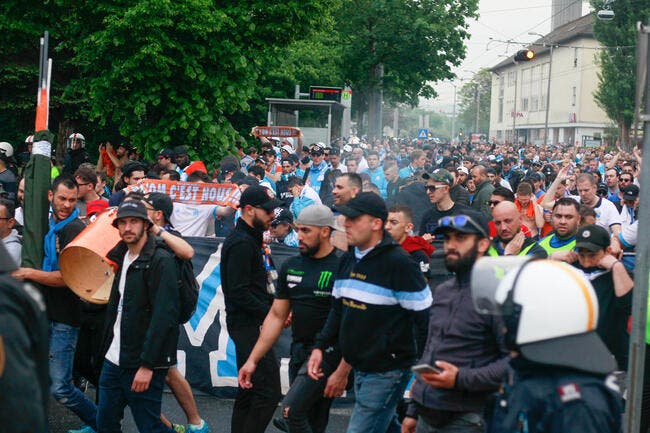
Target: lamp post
<point x="453" y="117"/>
<point x="548" y="85"/>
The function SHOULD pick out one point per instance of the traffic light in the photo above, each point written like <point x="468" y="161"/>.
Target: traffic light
<point x="524" y="55"/>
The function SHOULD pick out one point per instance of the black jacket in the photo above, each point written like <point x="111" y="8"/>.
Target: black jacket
<point x="380" y="310"/>
<point x="149" y="325"/>
<point x="244" y="277"/>
<point x="25" y="380"/>
<point x="552" y="399"/>
<point x="473" y="342"/>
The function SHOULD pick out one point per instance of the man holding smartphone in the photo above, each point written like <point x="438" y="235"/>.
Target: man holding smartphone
<point x="465" y="350"/>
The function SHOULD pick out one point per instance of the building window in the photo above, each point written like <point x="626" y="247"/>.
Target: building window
<point x="573" y="96"/>
<point x="575" y="57"/>
<point x="512" y="78"/>
<point x="524" y="104"/>
<point x="542" y="102"/>
<point x="534" y="103"/>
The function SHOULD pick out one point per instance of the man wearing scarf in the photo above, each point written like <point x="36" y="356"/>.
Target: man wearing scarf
<point x="63" y="306"/>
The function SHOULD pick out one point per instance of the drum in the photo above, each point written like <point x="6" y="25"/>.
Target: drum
<point x="83" y="263"/>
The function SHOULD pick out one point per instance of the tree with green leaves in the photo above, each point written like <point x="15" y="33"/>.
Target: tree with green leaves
<point x="617" y="76"/>
<point x="474" y="98"/>
<point x="398" y="49"/>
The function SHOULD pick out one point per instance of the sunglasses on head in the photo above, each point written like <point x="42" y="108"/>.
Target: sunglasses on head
<point x="460" y="221"/>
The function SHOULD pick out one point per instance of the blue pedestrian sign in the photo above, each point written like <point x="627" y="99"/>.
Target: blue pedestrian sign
<point x="423" y="134"/>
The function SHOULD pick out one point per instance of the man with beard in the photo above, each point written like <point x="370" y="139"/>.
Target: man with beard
<point x="559" y="245"/>
<point x="62" y="305"/>
<point x="466" y="348"/>
<point x="142" y="321"/>
<point x="378" y="315"/>
<point x="303" y="300"/>
<point x="510" y="240"/>
<point x="247" y="281"/>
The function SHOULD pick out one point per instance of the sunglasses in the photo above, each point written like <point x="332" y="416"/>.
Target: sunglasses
<point x="492" y="202"/>
<point x="432" y="188"/>
<point x="459" y="222"/>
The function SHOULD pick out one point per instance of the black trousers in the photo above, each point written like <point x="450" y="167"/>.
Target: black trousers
<point x="254" y="407"/>
<point x="304" y="407"/>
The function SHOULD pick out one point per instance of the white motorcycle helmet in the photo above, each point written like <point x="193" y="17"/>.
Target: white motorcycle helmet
<point x="75" y="141"/>
<point x="6" y="149"/>
<point x="549" y="309"/>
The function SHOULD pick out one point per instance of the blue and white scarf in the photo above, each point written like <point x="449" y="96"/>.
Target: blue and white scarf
<point x="50" y="258"/>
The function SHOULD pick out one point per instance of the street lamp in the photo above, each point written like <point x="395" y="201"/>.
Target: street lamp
<point x="548" y="86"/>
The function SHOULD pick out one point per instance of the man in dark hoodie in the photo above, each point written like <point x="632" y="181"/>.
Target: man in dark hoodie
<point x="466" y="348"/>
<point x="378" y="314"/>
<point x="247" y="282"/>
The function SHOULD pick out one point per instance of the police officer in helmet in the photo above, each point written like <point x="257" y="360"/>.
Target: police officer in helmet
<point x="560" y="380"/>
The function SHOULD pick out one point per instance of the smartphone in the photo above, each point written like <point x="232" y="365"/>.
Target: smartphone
<point x="425" y="368"/>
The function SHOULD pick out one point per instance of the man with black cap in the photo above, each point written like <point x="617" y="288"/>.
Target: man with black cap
<point x="304" y="295"/>
<point x="378" y="316"/>
<point x="159" y="209"/>
<point x="141" y="331"/>
<point x="560" y="381"/>
<point x="613" y="287"/>
<point x="247" y="281"/>
<point x="282" y="228"/>
<point x="166" y="160"/>
<point x="465" y="350"/>
<point x="182" y="160"/>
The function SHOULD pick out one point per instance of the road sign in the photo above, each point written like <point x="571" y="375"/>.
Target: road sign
<point x="423" y="134"/>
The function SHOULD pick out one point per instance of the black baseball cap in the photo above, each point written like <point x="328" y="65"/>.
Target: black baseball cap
<point x="364" y="203"/>
<point x="630" y="192"/>
<point x="282" y="215"/>
<point x="161" y="202"/>
<point x="180" y="150"/>
<point x="131" y="208"/>
<point x="466" y="221"/>
<point x="166" y="153"/>
<point x="259" y="196"/>
<point x="592" y="237"/>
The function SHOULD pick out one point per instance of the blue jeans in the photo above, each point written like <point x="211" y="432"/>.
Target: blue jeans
<point x="63" y="341"/>
<point x="462" y="422"/>
<point x="377" y="395"/>
<point x="115" y="394"/>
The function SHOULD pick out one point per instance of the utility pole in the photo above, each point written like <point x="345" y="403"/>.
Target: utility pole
<point x="453" y="117"/>
<point x="548" y="84"/>
<point x="478" y="104"/>
<point x="548" y="96"/>
<point x="640" y="294"/>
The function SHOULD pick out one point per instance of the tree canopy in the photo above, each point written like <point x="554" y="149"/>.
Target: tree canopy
<point x="617" y="76"/>
<point x="160" y="73"/>
<point x="477" y="90"/>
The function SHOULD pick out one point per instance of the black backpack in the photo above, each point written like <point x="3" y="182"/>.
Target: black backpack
<point x="188" y="289"/>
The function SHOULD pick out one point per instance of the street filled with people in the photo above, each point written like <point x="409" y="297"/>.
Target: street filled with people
<point x="445" y="287"/>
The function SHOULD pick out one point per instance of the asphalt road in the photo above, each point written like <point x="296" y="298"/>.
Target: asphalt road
<point x="215" y="411"/>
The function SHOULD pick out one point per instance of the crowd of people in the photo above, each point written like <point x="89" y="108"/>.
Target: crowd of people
<point x="360" y="297"/>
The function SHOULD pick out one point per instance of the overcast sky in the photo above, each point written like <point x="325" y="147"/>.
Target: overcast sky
<point x="499" y="20"/>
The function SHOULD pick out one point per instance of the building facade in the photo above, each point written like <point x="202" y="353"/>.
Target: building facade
<point x="519" y="101"/>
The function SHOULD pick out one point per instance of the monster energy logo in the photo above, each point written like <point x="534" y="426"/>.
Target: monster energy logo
<point x="324" y="279"/>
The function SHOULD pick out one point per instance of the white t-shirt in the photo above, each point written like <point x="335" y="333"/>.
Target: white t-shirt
<point x="113" y="354"/>
<point x="193" y="219"/>
<point x="607" y="214"/>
